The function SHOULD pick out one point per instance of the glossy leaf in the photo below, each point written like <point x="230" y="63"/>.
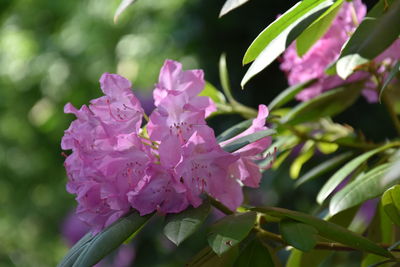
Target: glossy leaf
<point x="248" y="139"/>
<point x="224" y="78"/>
<point x="234" y="130"/>
<point x="375" y="33"/>
<point x="328" y="230"/>
<point x="288" y="94"/>
<point x="121" y="8"/>
<point x="323" y="168"/>
<point x="289" y="19"/>
<point x="346" y="170"/>
<point x="231" y="5"/>
<point x="365" y="187"/>
<point x="180" y="226"/>
<point x="392" y="74"/>
<point x="110" y="238"/>
<point x="75" y="251"/>
<point x="299" y="235"/>
<point x="317" y="29"/>
<point x="213" y="93"/>
<point x="327" y="104"/>
<point x="306" y="154"/>
<point x="280" y="34"/>
<point x="391" y="204"/>
<point x="230" y="230"/>
<point x="254" y="255"/>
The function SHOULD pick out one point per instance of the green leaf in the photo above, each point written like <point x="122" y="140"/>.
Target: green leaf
<point x="280" y="34"/>
<point x="328" y="230"/>
<point x="110" y="238"/>
<point x="121" y="8"/>
<point x="224" y="78"/>
<point x="365" y="187"/>
<point x="371" y="259"/>
<point x="207" y="258"/>
<point x="288" y="20"/>
<point x="375" y="33"/>
<point x="247" y="139"/>
<point x="317" y="29"/>
<point x="234" y="130"/>
<point x="180" y="226"/>
<point x="395" y="70"/>
<point x="231" y="5"/>
<point x="254" y="255"/>
<point x="329" y="103"/>
<point x="75" y="251"/>
<point x="391" y="204"/>
<point x="213" y="93"/>
<point x="288" y="94"/>
<point x="306" y="153"/>
<point x="323" y="168"/>
<point x="299" y="235"/>
<point x="230" y="230"/>
<point x="341" y="174"/>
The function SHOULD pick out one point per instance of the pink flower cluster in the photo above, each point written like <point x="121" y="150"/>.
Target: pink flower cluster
<point x="117" y="165"/>
<point x="325" y="51"/>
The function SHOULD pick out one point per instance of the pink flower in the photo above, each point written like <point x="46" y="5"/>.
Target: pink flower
<point x="204" y="169"/>
<point x="245" y="169"/>
<point x="325" y="51"/>
<point x="174" y="81"/>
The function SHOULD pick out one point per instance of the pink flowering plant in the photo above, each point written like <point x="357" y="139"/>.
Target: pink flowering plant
<point x="125" y="166"/>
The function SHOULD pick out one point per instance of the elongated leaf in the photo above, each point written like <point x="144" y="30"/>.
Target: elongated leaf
<point x="110" y="238"/>
<point x="224" y="78"/>
<point x="207" y="258"/>
<point x="299" y="235"/>
<point x="180" y="226"/>
<point x="323" y="168"/>
<point x="375" y="33"/>
<point x="391" y="204"/>
<point x="288" y="94"/>
<point x="306" y="154"/>
<point x="248" y="139"/>
<point x="317" y="29"/>
<point x="231" y="5"/>
<point x="327" y="104"/>
<point x="254" y="255"/>
<point x="290" y="17"/>
<point x="363" y="188"/>
<point x="230" y="230"/>
<point x="213" y="93"/>
<point x="121" y="8"/>
<point x="234" y="130"/>
<point x="341" y="174"/>
<point x="328" y="230"/>
<point x="274" y="42"/>
<point x="392" y="74"/>
<point x="75" y="251"/>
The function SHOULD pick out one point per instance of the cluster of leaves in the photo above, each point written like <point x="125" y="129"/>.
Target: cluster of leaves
<point x="359" y="170"/>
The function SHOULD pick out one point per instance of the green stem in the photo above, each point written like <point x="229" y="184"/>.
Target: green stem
<point x="320" y="245"/>
<point x="218" y="205"/>
<point x="304" y="136"/>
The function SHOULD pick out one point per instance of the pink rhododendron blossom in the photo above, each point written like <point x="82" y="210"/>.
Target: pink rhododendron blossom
<point x="204" y="169"/>
<point x="326" y="50"/>
<point x="114" y="168"/>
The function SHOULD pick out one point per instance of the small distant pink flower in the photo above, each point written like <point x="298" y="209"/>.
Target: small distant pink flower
<point x="325" y="51"/>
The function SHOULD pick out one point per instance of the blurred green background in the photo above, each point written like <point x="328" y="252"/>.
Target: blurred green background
<point x="53" y="52"/>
